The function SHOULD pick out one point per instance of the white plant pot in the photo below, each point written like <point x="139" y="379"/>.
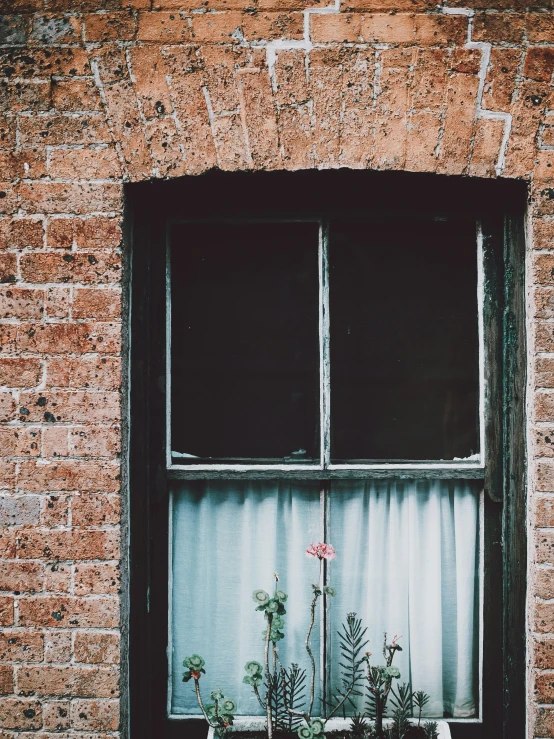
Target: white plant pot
<point x="335" y="724"/>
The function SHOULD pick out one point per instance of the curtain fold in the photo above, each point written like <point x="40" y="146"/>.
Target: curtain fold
<point x="407" y="563"/>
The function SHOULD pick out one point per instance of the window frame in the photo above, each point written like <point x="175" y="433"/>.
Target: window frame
<point x="502" y="467"/>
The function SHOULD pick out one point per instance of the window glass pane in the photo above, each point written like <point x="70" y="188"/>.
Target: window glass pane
<point x="407" y="564"/>
<point x="245" y="341"/>
<point x="227" y="540"/>
<point x="404" y="340"/>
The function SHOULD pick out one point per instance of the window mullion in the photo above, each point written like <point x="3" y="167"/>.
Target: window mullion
<point x="324" y="345"/>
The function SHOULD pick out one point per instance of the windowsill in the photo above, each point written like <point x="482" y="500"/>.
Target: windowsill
<point x="334" y="724"/>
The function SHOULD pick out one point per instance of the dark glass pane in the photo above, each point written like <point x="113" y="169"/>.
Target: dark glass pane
<point x="245" y="341"/>
<point x="404" y="340"/>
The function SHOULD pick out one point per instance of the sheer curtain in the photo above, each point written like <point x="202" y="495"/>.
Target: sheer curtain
<point x="407" y="563"/>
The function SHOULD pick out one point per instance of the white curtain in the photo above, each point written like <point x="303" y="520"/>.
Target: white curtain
<point x="407" y="563"/>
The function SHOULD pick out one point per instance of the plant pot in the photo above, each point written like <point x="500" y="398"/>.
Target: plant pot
<point x="249" y="725"/>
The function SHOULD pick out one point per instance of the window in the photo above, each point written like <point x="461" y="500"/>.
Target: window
<point x="325" y="373"/>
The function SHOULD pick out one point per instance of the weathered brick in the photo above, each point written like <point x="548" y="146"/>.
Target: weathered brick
<point x="55" y="511"/>
<point x="57" y="577"/>
<point x="67" y="61"/>
<point x="91" y="233"/>
<point x="164" y="27"/>
<point x="501" y="79"/>
<point x="69" y="338"/>
<point x="55" y="715"/>
<point x="21" y="576"/>
<point x="102" y="27"/>
<point x="73" y="405"/>
<point x="53" y="29"/>
<point x="544" y="407"/>
<point x="21" y="233"/>
<point x="57" y="302"/>
<point x="6" y="672"/>
<point x="62" y="197"/>
<point x="96" y="648"/>
<point x="84" y="164"/>
<point x="52" y="544"/>
<point x="91" y="268"/>
<point x="544" y="546"/>
<point x="20" y="371"/>
<point x="498" y="27"/>
<point x="53" y="130"/>
<point x="544" y="373"/>
<point x="544" y="618"/>
<point x="96" y="510"/>
<point x="6" y="619"/>
<point x="21" y="303"/>
<point x="57" y="644"/>
<point x="97" y="578"/>
<point x="102" y="373"/>
<point x="544" y="687"/>
<point x="8" y="268"/>
<point x="68" y="611"/>
<point x="20" y="510"/>
<point x="75" y="95"/>
<point x="75" y="681"/>
<point x="94" y="715"/>
<point x="21" y="646"/>
<point x="18" y="714"/>
<point x="93" y="303"/>
<point x="544" y="442"/>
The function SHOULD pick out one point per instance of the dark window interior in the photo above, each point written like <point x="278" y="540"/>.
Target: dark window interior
<point x="245" y="341"/>
<point x="404" y="339"/>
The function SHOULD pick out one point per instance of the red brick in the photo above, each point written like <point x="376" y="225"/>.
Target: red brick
<point x="539" y="28"/>
<point x="544" y="407"/>
<point x="7" y="406"/>
<point x="61" y="197"/>
<point x="22" y="576"/>
<point x="53" y="544"/>
<point x="22" y="303"/>
<point x="93" y="303"/>
<point x="544" y="687"/>
<point x="543" y="233"/>
<point x="489" y="135"/>
<point x="68" y="475"/>
<point x="74" y="405"/>
<point x="75" y="95"/>
<point x="85" y="164"/>
<point x="92" y="233"/>
<point x="21" y="646"/>
<point x="544" y="722"/>
<point x="21" y="233"/>
<point x="103" y="27"/>
<point x="96" y="510"/>
<point x="20" y="372"/>
<point x="55" y="715"/>
<point x="97" y="578"/>
<point x="53" y="130"/>
<point x="92" y="268"/>
<point x="102" y="373"/>
<point x="57" y="302"/>
<point x="74" y="681"/>
<point x="55" y="511"/>
<point x="501" y="79"/>
<point x="343" y="27"/>
<point x="6" y="619"/>
<point x="544" y="546"/>
<point x="20" y="62"/>
<point x="94" y="715"/>
<point x="544" y="512"/>
<point x="69" y="338"/>
<point x="7" y="131"/>
<point x="165" y="27"/>
<point x="544" y="372"/>
<point x="18" y="714"/>
<point x="6" y="673"/>
<point x="67" y="611"/>
<point x="57" y="644"/>
<point x="544" y="618"/>
<point x="94" y="648"/>
<point x="539" y="63"/>
<point x="8" y="267"/>
<point x="57" y="578"/>
<point x="55" y="441"/>
<point x="149" y="72"/>
<point x="498" y="27"/>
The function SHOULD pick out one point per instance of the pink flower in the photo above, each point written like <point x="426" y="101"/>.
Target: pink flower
<point x="396" y="638"/>
<point x="321" y="551"/>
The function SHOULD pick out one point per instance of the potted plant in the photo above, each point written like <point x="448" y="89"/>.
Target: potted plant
<point x="286" y="694"/>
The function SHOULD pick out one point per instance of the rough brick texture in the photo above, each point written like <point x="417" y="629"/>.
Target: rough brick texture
<point x="97" y="93"/>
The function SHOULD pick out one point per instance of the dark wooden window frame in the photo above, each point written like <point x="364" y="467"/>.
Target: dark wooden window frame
<point x="499" y="206"/>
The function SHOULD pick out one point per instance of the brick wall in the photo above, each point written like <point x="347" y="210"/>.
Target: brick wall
<point x="99" y="92"/>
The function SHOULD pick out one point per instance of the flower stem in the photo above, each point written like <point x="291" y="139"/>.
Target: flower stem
<point x="311" y="656"/>
<point x="199" y="699"/>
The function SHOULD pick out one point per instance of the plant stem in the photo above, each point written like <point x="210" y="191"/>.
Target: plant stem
<point x="268" y="678"/>
<point x="199" y="699"/>
<point x="311" y="656"/>
<point x="259" y="697"/>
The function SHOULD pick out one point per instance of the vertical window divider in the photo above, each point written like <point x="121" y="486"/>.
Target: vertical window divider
<point x="324" y="625"/>
<point x="324" y="345"/>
